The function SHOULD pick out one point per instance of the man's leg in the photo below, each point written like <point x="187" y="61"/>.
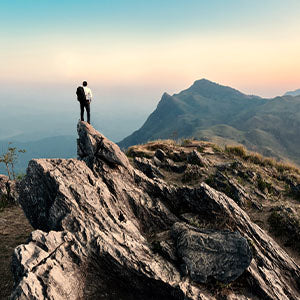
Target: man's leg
<point x="81" y="111"/>
<point x="88" y="112"/>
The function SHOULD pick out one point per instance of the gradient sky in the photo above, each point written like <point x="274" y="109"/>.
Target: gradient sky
<point x="252" y="45"/>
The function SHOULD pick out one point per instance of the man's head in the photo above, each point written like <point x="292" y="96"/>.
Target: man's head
<point x="84" y="83"/>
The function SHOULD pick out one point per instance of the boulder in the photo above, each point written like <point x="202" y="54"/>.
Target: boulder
<point x="104" y="230"/>
<point x="206" y="254"/>
<point x="195" y="158"/>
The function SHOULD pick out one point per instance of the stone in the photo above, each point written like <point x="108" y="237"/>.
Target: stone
<point x="91" y="145"/>
<point x="171" y="166"/>
<point x="103" y="231"/>
<point x="160" y="154"/>
<point x="206" y="254"/>
<point x="147" y="167"/>
<point x="195" y="158"/>
<point x="232" y="188"/>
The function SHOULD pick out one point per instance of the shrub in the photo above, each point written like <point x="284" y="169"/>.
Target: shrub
<point x="164" y="145"/>
<point x="262" y="185"/>
<point x="186" y="142"/>
<point x="271" y="162"/>
<point x="281" y="167"/>
<point x="9" y="159"/>
<point x="217" y="148"/>
<point x="256" y="158"/>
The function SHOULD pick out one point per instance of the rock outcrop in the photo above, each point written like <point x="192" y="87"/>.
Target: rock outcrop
<point x="104" y="230"/>
<point x="8" y="191"/>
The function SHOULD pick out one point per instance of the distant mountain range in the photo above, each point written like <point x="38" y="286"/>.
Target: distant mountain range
<point x="52" y="147"/>
<point x="293" y="93"/>
<point x="209" y="111"/>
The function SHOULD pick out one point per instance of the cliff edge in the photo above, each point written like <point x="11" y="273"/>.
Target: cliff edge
<point x="106" y="230"/>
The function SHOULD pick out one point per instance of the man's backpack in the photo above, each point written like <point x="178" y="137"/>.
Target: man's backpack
<point x="80" y="94"/>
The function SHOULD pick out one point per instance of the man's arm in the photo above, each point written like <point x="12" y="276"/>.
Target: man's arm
<point x="91" y="95"/>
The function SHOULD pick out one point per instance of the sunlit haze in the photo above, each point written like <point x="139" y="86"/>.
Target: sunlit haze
<point x="130" y="52"/>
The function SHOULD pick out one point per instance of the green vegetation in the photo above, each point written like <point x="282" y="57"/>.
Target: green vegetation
<point x="217" y="148"/>
<point x="186" y="142"/>
<point x="264" y="185"/>
<point x="9" y="159"/>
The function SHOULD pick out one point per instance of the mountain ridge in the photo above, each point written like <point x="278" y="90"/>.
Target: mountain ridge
<point x="293" y="93"/>
<point x="268" y="126"/>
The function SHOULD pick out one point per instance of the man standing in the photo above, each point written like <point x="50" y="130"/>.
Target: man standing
<point x="84" y="96"/>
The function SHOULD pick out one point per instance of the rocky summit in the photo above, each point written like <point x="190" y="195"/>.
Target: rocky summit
<point x="106" y="230"/>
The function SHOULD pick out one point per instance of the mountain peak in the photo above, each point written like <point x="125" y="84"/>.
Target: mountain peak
<point x="204" y="80"/>
<point x="212" y="89"/>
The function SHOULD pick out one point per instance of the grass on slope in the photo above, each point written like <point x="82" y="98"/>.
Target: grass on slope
<point x="262" y="186"/>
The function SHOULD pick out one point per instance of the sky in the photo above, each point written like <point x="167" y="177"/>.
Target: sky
<point x="132" y="51"/>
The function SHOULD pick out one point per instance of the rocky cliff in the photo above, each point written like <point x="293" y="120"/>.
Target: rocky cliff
<point x="106" y="230"/>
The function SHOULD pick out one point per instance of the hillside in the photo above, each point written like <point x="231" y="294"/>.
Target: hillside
<point x="267" y="190"/>
<point x="209" y="111"/>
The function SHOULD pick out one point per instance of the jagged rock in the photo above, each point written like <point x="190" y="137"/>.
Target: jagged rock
<point x="160" y="154"/>
<point x="157" y="162"/>
<point x="170" y="165"/>
<point x="233" y="189"/>
<point x="145" y="165"/>
<point x="195" y="158"/>
<point x="8" y="190"/>
<point x="92" y="145"/>
<point x="98" y="219"/>
<point x="177" y="156"/>
<point x="221" y="255"/>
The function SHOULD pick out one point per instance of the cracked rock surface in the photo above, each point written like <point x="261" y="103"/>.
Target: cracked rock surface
<point x="104" y="230"/>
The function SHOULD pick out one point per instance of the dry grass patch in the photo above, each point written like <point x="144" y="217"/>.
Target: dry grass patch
<point x="259" y="159"/>
<point x="160" y="144"/>
<point x="239" y="151"/>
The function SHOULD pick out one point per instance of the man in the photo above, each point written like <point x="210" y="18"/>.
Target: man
<point x="84" y="96"/>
